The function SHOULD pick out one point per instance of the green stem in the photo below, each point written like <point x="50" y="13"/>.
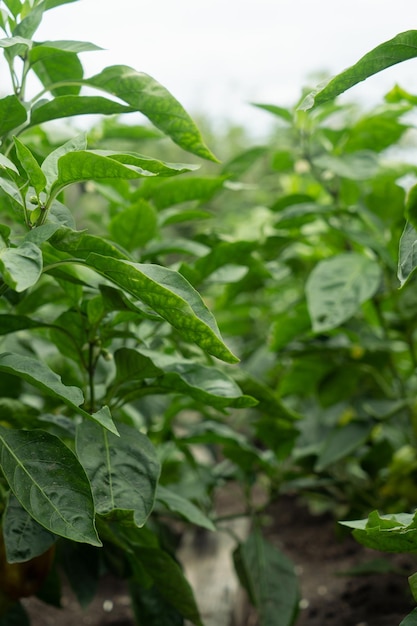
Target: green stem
<point x="92" y="362"/>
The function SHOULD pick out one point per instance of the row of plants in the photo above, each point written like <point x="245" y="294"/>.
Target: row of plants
<point x="132" y="286"/>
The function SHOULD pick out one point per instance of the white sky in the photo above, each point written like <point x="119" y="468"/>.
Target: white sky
<point x="216" y="56"/>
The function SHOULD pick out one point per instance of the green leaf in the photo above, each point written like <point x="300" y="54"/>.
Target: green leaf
<point x="59" y="71"/>
<point x="168" y="193"/>
<point x="411" y="206"/>
<point x="12" y="114"/>
<point x="71" y="105"/>
<point x="123" y="470"/>
<point x="80" y="244"/>
<point x="24" y="538"/>
<point x="407" y="257"/>
<point x="170" y="582"/>
<point x="49" y="483"/>
<point x="148" y="164"/>
<point x="28" y="26"/>
<point x="153" y="100"/>
<point x="401" y="48"/>
<point x="410" y="619"/>
<point x="12" y="323"/>
<point x="342" y="442"/>
<point x="32" y="168"/>
<point x="50" y="164"/>
<point x="46" y="48"/>
<point x="82" y="165"/>
<point x="206" y="384"/>
<point x="134" y="226"/>
<point x="270" y="580"/>
<point x="21" y="267"/>
<point x="387" y="533"/>
<point x="14" y="6"/>
<point x="412" y="581"/>
<point x="278" y="111"/>
<point x="338" y="286"/>
<point x="361" y="165"/>
<point x="169" y="295"/>
<point x="43" y="378"/>
<point x="176" y="503"/>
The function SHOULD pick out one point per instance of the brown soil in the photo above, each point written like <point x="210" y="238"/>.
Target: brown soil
<point x="329" y="597"/>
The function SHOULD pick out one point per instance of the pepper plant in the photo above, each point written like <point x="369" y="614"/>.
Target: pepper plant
<point x="393" y="530"/>
<point x="100" y="346"/>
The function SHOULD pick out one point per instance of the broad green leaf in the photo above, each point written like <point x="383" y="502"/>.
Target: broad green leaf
<point x="394" y="533"/>
<point x="12" y="114"/>
<point x="134" y="226"/>
<point x="168" y="193"/>
<point x="70" y="105"/>
<point x="28" y="26"/>
<point x="289" y="325"/>
<point x="278" y="111"/>
<point x="206" y="384"/>
<point x="43" y="233"/>
<point x="342" y="442"/>
<point x="170" y="582"/>
<point x="375" y="132"/>
<point x="45" y="48"/>
<point x="412" y="581"/>
<point x="82" y="165"/>
<point x="179" y="215"/>
<point x="14" y="6"/>
<point x="169" y="295"/>
<point x="407" y="257"/>
<point x="270" y="580"/>
<point x="49" y="483"/>
<point x="177" y="504"/>
<point x="153" y="100"/>
<point x="9" y="42"/>
<point x="411" y="206"/>
<point x="24" y="538"/>
<point x="401" y="48"/>
<point x="361" y="165"/>
<point x="81" y="244"/>
<point x="59" y="71"/>
<point x="410" y="619"/>
<point x="43" y="378"/>
<point x="123" y="470"/>
<point x="50" y="164"/>
<point x="6" y="164"/>
<point x="177" y="375"/>
<point x="238" y="165"/>
<point x="297" y="215"/>
<point x="148" y="164"/>
<point x="32" y="168"/>
<point x="338" y="286"/>
<point x="12" y="323"/>
<point x="21" y="267"/>
<point x="224" y="253"/>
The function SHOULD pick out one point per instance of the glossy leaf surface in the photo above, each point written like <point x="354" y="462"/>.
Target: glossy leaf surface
<point x="49" y="483"/>
<point x="153" y="100"/>
<point x="400" y="48"/>
<point x="123" y="470"/>
<point x="338" y="286"/>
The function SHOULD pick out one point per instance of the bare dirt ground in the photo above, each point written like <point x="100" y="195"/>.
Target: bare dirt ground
<point x="329" y="597"/>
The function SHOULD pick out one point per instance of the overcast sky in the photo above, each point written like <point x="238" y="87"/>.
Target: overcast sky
<point x="216" y="56"/>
